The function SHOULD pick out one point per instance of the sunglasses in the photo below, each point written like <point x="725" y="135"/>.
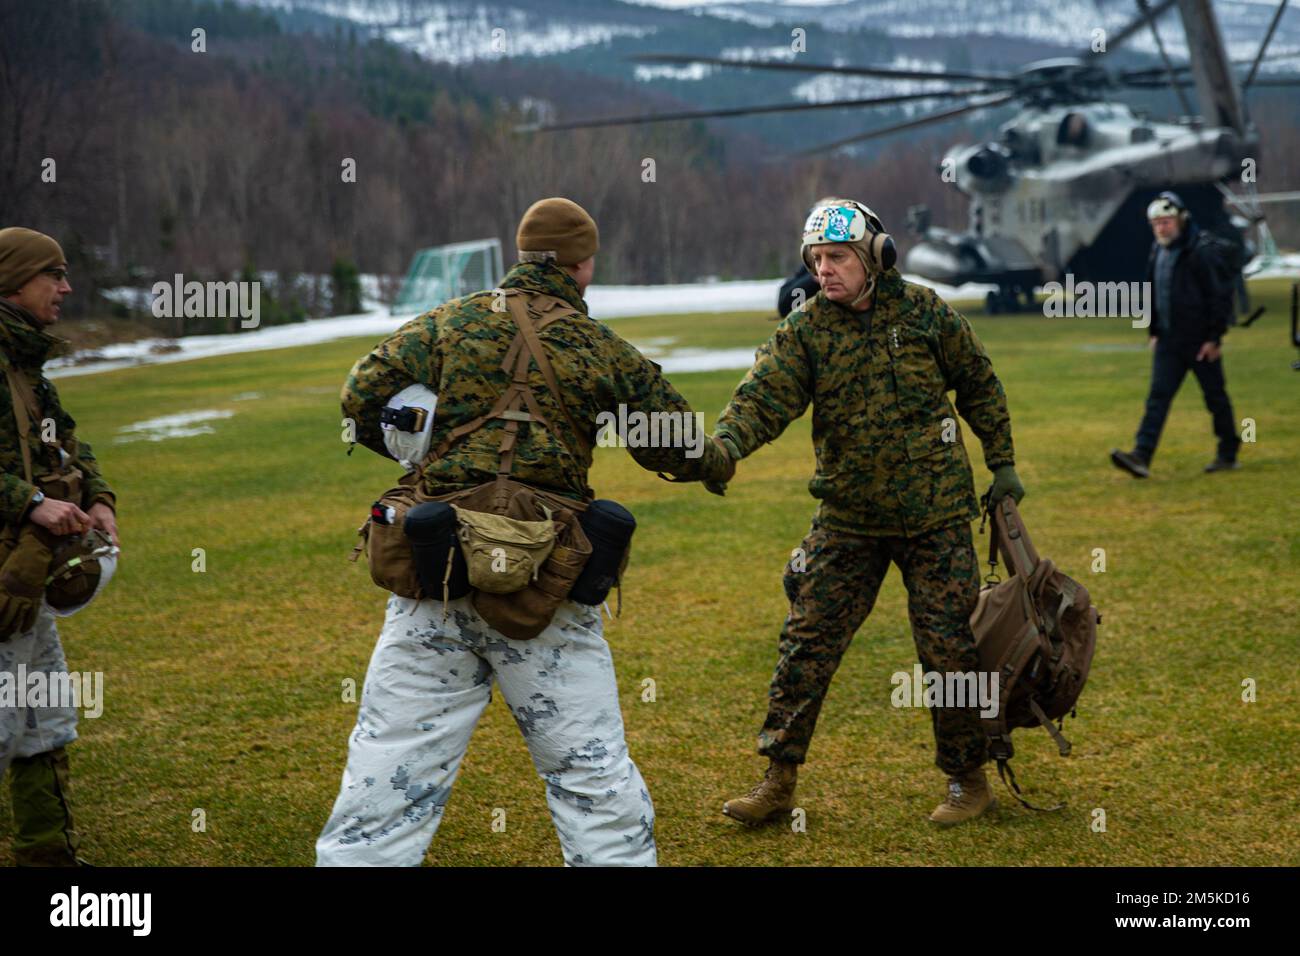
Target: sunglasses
<point x="60" y="275"/>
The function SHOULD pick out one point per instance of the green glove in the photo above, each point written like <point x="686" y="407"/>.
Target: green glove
<point x="1005" y="482"/>
<point x="732" y="454"/>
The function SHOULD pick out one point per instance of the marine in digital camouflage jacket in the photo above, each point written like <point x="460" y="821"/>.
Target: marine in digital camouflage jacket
<point x="890" y="458"/>
<point x="26" y="347"/>
<point x="456" y="351"/>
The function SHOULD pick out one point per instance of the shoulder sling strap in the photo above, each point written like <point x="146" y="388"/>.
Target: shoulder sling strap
<point x="1010" y="536"/>
<point x="518" y="396"/>
<point x="20" y="392"/>
<point x="519" y="312"/>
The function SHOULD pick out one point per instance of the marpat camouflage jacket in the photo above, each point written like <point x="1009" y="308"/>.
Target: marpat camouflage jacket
<point x="890" y="459"/>
<point x="25" y="347"/>
<point x="456" y="351"/>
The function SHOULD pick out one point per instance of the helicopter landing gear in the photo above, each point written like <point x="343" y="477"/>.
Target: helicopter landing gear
<point x="1002" y="299"/>
<point x="1009" y="299"/>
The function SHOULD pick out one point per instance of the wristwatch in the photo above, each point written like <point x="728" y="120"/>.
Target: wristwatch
<point x="35" y="502"/>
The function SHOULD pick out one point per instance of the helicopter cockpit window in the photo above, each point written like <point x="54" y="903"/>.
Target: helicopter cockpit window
<point x="1023" y="149"/>
<point x="1073" y="130"/>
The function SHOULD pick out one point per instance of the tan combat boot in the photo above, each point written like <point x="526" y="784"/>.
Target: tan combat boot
<point x="773" y="796"/>
<point x="968" y="797"/>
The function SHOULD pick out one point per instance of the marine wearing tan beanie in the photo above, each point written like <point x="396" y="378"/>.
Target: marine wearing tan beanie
<point x="25" y="253"/>
<point x="560" y="226"/>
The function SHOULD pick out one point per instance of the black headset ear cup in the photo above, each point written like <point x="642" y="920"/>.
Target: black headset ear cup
<point x="884" y="251"/>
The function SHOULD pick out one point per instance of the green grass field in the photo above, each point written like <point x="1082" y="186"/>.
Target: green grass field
<point x="223" y="688"/>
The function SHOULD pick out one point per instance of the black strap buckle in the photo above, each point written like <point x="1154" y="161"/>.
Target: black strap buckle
<point x="408" y="418"/>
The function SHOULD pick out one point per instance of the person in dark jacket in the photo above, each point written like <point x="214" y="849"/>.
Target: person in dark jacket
<point x="795" y="291"/>
<point x="803" y="285"/>
<point x="1191" y="310"/>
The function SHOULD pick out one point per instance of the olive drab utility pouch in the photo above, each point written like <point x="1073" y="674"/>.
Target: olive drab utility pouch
<point x="1037" y="631"/>
<point x="65" y="484"/>
<point x="524" y="614"/>
<point x="504" y="554"/>
<point x="25" y="557"/>
<point x="386" y="546"/>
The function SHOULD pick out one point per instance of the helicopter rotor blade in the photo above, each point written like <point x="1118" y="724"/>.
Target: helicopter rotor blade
<point x="1266" y="198"/>
<point x="1147" y="72"/>
<point x="943" y="116"/>
<point x="879" y="71"/>
<point x="749" y="110"/>
<point x="1164" y="56"/>
<point x="1133" y="26"/>
<point x="1286" y="79"/>
<point x="1254" y="67"/>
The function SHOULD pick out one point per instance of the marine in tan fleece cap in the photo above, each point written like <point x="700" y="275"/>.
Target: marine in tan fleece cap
<point x="560" y="226"/>
<point x="24" y="254"/>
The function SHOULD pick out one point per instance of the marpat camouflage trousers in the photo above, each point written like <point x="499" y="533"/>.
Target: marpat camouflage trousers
<point x="829" y="601"/>
<point x="428" y="683"/>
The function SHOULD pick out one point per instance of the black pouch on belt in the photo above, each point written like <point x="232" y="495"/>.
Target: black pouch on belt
<point x="439" y="564"/>
<point x="608" y="526"/>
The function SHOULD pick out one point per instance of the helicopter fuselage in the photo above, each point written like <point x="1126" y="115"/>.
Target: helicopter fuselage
<point x="1055" y="194"/>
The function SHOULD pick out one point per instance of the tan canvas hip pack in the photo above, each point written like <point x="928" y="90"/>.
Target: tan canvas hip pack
<point x="523" y="546"/>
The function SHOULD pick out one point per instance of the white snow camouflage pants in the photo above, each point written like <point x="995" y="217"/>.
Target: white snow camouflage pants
<point x="27" y="731"/>
<point x="427" y="684"/>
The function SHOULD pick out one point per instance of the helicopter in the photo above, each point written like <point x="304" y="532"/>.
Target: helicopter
<point x="1064" y="187"/>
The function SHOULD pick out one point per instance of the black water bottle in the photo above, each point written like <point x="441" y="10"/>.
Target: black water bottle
<point x="431" y="529"/>
<point x="608" y="526"/>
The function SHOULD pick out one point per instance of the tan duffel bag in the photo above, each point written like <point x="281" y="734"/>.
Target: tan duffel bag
<point x="1037" y="631"/>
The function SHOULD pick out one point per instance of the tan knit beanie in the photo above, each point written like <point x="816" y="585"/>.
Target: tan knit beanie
<point x="23" y="254"/>
<point x="560" y="226"/>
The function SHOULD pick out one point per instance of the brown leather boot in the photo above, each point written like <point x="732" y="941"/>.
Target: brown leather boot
<point x="771" y="797"/>
<point x="968" y="797"/>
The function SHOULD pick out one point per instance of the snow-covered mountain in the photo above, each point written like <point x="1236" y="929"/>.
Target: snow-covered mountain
<point x="460" y="31"/>
<point x="466" y="31"/>
<point x="602" y="37"/>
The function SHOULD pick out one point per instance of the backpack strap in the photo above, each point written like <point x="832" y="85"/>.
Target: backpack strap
<point x="1010" y="536"/>
<point x="1062" y="744"/>
<point x="1003" y="757"/>
<point x="1000" y="750"/>
<point x="1005" y="771"/>
<point x="24" y="400"/>
<point x="519" y="312"/>
<point x="518" y="403"/>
